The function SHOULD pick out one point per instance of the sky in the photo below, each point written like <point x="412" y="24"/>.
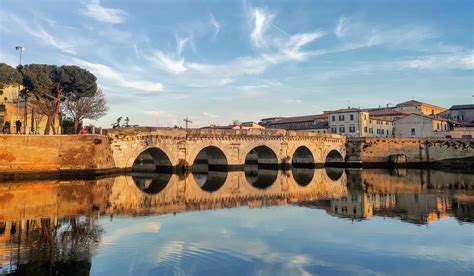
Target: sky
<point x="159" y="62"/>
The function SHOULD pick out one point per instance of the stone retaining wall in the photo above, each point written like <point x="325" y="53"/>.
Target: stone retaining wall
<point x="414" y="150"/>
<point x="40" y="153"/>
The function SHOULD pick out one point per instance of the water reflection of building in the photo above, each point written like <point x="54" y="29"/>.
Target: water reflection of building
<point x="414" y="196"/>
<point x="354" y="205"/>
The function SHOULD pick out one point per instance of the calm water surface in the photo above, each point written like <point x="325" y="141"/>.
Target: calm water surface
<point x="253" y="222"/>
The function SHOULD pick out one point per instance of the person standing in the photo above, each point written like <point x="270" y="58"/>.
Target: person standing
<point x="6" y="127"/>
<point x="18" y="126"/>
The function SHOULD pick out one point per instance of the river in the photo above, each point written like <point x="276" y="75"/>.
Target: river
<point x="252" y="222"/>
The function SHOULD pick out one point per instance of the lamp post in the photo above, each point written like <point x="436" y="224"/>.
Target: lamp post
<point x="21" y="49"/>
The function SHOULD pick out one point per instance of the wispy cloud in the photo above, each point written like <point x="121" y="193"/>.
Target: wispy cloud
<point x="36" y="29"/>
<point x="181" y="43"/>
<point x="340" y="30"/>
<point x="284" y="49"/>
<point x="94" y="10"/>
<point x="356" y="34"/>
<point x="104" y="71"/>
<point x="166" y="63"/>
<point x="262" y="20"/>
<point x="215" y="25"/>
<point x="464" y="61"/>
<point x="155" y="113"/>
<point x="210" y="115"/>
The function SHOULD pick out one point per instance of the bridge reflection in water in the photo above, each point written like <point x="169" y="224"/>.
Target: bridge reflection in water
<point x="52" y="226"/>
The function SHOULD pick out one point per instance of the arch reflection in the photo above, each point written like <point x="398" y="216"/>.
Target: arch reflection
<point x="334" y="173"/>
<point x="211" y="181"/>
<point x="260" y="178"/>
<point x="303" y="176"/>
<point x="151" y="183"/>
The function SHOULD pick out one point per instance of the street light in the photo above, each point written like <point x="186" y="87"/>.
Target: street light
<point x="21" y="49"/>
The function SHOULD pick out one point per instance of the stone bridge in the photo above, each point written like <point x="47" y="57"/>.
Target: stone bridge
<point x="150" y="149"/>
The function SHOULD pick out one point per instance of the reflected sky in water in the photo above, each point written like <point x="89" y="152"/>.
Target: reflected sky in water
<point x="306" y="222"/>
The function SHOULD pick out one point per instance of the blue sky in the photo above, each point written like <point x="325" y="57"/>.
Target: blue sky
<point x="216" y="61"/>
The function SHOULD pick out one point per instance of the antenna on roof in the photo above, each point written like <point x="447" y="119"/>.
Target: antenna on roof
<point x="348" y="103"/>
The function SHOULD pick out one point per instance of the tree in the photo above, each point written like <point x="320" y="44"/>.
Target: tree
<point x="8" y="75"/>
<point x="51" y="85"/>
<point x="90" y="107"/>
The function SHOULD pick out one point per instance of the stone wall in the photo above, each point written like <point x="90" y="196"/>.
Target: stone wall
<point x="414" y="150"/>
<point x="39" y="153"/>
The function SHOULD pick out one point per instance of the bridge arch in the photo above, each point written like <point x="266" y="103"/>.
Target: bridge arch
<point x="152" y="159"/>
<point x="333" y="158"/>
<point x="303" y="158"/>
<point x="210" y="158"/>
<point x="262" y="156"/>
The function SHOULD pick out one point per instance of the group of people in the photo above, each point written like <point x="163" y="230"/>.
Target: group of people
<point x="7" y="127"/>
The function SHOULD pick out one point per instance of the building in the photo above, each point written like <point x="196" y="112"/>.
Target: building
<point x="418" y="125"/>
<point x="312" y="123"/>
<point x="244" y="125"/>
<point x="416" y="107"/>
<point x="358" y="123"/>
<point x="265" y="122"/>
<point x="12" y="109"/>
<point x="460" y="113"/>
<point x="388" y="114"/>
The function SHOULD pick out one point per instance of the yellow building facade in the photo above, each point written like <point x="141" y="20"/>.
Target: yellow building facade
<point x="358" y="123"/>
<point x="12" y="108"/>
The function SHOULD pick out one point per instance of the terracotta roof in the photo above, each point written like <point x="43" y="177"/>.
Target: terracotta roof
<point x="344" y="110"/>
<point x="219" y="127"/>
<point x="298" y="119"/>
<point x="430" y="117"/>
<point x="462" y="106"/>
<point x="413" y="102"/>
<point x="386" y="112"/>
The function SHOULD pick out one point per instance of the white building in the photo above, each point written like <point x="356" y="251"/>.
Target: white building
<point x="417" y="125"/>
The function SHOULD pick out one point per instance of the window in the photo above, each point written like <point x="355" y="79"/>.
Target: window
<point x="437" y="126"/>
<point x="378" y="131"/>
<point x="382" y="131"/>
<point x="371" y="130"/>
<point x="352" y="129"/>
<point x="352" y="117"/>
<point x="341" y="117"/>
<point x="342" y="129"/>
<point x="413" y="132"/>
<point x="333" y="118"/>
<point x="334" y="129"/>
<point x="365" y="129"/>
